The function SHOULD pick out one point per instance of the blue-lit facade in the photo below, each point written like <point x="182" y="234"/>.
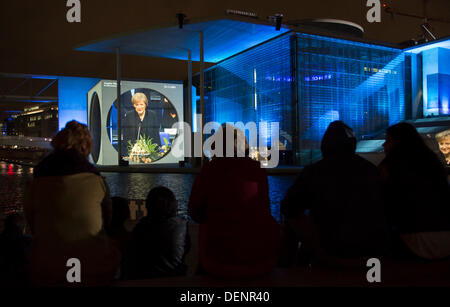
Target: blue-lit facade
<point x="255" y="86"/>
<point x="300" y="81"/>
<point x="430" y="86"/>
<point x="358" y="83"/>
<point x="304" y="82"/>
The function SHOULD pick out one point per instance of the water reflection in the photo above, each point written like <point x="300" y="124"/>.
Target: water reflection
<point x="137" y="185"/>
<point x="13" y="180"/>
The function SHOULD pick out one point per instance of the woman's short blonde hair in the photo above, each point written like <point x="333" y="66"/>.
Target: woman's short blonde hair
<point x="139" y="97"/>
<point x="75" y="136"/>
<point x="442" y="135"/>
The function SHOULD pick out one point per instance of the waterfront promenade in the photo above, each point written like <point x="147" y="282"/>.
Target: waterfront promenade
<point x="393" y="274"/>
<point x="133" y="183"/>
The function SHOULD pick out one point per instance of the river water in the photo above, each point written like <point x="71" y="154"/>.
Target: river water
<point x="14" y="177"/>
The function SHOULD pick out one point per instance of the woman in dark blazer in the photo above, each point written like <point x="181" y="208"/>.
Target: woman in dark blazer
<point x="140" y="122"/>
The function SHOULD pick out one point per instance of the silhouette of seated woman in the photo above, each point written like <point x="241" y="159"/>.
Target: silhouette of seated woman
<point x="68" y="208"/>
<point x="417" y="195"/>
<point x="238" y="237"/>
<point x="334" y="208"/>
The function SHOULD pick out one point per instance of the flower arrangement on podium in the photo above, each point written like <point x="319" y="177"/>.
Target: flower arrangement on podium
<point x="143" y="150"/>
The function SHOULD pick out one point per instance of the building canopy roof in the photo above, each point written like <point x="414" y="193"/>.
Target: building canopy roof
<point x="440" y="43"/>
<point x="223" y="37"/>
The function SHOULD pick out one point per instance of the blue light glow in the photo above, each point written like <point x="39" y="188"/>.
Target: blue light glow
<point x="253" y="86"/>
<point x="436" y="81"/>
<point x="72" y="103"/>
<point x="445" y="43"/>
<point x="318" y="77"/>
<point x="222" y="39"/>
<point x="361" y="84"/>
<point x="302" y="81"/>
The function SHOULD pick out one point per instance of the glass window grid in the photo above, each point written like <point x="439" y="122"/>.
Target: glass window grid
<point x="354" y="90"/>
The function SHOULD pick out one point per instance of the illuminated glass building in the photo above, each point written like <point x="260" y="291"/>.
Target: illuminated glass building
<point x="298" y="78"/>
<point x="306" y="81"/>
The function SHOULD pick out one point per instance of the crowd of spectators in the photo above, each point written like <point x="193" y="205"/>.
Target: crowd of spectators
<point x="339" y="212"/>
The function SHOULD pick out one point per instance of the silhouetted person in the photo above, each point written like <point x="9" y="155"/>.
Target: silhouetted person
<point x="160" y="239"/>
<point x="2" y="221"/>
<point x="117" y="230"/>
<point x="417" y="195"/>
<point x="238" y="237"/>
<point x="120" y="215"/>
<point x="68" y="208"/>
<point x="14" y="251"/>
<point x="334" y="208"/>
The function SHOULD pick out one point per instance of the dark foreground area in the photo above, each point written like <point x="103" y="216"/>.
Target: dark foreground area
<point x="132" y="186"/>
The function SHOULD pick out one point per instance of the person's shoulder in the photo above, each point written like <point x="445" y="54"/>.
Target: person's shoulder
<point x="234" y="162"/>
<point x="129" y="117"/>
<point x="248" y="161"/>
<point x="366" y="164"/>
<point x="175" y="225"/>
<point x="177" y="221"/>
<point x="314" y="167"/>
<point x="150" y="114"/>
<point x="142" y="226"/>
<point x="41" y="167"/>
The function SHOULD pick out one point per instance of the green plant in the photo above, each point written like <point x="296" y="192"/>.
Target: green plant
<point x="147" y="145"/>
<point x="130" y="146"/>
<point x="144" y="146"/>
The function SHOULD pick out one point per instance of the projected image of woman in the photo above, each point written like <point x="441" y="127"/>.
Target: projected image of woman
<point x="443" y="139"/>
<point x="140" y="122"/>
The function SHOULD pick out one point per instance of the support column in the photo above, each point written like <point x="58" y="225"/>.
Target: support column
<point x="189" y="100"/>
<point x="119" y="126"/>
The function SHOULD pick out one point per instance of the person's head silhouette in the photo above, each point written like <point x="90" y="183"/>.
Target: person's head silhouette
<point x="161" y="203"/>
<point x="338" y="140"/>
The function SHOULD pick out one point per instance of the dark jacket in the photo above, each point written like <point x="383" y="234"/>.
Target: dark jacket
<point x="238" y="236"/>
<point x="417" y="192"/>
<point x="132" y="126"/>
<point x="342" y="193"/>
<point x="158" y="248"/>
<point x="64" y="163"/>
<point x="343" y="197"/>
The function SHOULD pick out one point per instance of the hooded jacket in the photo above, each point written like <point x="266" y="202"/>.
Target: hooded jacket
<point x="342" y="194"/>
